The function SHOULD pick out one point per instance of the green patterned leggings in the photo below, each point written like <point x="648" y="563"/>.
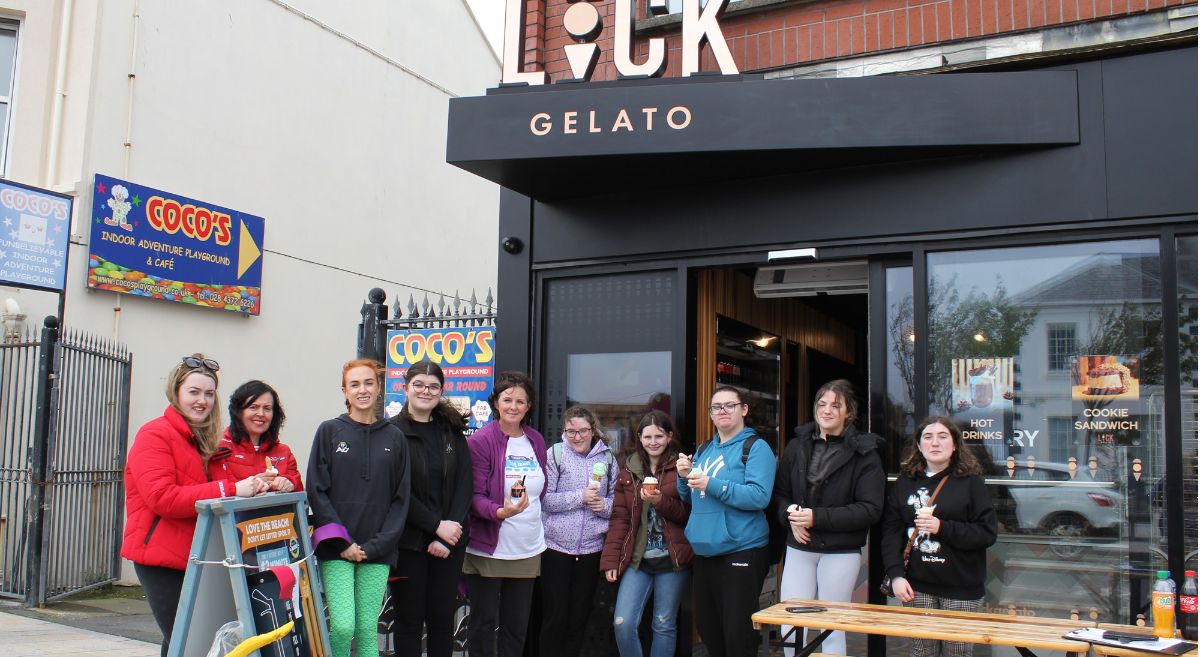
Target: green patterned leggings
<point x="354" y="594"/>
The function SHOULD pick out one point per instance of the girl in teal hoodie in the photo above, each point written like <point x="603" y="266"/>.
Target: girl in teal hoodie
<point x="728" y="488"/>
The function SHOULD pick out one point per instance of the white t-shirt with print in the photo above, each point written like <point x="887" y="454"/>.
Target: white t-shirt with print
<point x="522" y="535"/>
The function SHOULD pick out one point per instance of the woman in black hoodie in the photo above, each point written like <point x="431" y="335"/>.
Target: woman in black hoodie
<point x="358" y="492"/>
<point x="947" y="563"/>
<point x="432" y="546"/>
<point x="828" y="493"/>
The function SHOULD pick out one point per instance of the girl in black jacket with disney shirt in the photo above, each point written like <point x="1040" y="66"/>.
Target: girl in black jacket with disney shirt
<point x="947" y="561"/>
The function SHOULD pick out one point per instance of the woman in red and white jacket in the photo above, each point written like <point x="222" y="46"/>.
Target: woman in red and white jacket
<point x="165" y="475"/>
<point x="251" y="446"/>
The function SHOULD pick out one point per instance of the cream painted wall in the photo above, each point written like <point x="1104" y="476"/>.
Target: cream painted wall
<point x="327" y="119"/>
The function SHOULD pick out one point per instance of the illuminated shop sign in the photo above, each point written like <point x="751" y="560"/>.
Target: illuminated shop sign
<point x="582" y="21"/>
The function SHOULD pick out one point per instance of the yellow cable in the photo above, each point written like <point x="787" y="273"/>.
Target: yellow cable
<point x="255" y="642"/>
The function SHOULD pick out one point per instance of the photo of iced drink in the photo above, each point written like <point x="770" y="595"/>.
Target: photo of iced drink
<point x="518" y="489"/>
<point x="982" y="381"/>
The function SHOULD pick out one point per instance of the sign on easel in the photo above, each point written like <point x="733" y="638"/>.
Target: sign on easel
<point x="252" y="561"/>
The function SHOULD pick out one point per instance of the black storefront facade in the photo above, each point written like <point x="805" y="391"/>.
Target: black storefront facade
<point x="1015" y="248"/>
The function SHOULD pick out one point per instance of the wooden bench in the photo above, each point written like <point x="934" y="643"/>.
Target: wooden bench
<point x="1021" y="632"/>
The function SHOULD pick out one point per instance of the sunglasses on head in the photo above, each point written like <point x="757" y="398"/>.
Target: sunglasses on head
<point x="201" y="363"/>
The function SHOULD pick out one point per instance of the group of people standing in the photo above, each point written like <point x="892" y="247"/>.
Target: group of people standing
<point x="409" y="503"/>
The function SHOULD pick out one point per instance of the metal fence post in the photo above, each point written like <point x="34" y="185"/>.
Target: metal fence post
<point x="35" y="584"/>
<point x="372" y="334"/>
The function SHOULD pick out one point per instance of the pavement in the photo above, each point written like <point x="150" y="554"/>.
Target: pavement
<point x="96" y="625"/>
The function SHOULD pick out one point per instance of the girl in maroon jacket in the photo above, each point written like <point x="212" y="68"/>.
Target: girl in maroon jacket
<point x="251" y="446"/>
<point x="165" y="475"/>
<point x="646" y="548"/>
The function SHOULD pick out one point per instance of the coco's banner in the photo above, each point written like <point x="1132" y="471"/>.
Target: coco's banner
<point x="34" y="227"/>
<point x="161" y="245"/>
<point x="467" y="357"/>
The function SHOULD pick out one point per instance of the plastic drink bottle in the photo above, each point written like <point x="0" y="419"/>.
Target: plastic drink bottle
<point x="1187" y="605"/>
<point x="1162" y="601"/>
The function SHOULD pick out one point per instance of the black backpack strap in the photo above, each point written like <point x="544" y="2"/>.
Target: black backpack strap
<point x="746" y="445"/>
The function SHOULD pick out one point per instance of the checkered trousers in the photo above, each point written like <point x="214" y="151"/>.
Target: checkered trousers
<point x="933" y="648"/>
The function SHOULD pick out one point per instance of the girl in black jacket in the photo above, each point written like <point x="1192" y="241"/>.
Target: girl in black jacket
<point x="358" y="492"/>
<point x="947" y="562"/>
<point x="425" y="584"/>
<point x="828" y="493"/>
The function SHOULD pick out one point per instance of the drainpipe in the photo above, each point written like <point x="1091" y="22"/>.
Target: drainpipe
<point x="131" y="78"/>
<point x="60" y="92"/>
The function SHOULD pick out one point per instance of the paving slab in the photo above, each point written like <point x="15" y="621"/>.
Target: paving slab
<point x="34" y="637"/>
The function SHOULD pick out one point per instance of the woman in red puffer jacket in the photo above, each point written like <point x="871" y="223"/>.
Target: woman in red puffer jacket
<point x="646" y="548"/>
<point x="251" y="446"/>
<point x="165" y="475"/>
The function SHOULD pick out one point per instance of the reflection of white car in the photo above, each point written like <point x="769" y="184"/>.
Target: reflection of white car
<point x="1050" y="502"/>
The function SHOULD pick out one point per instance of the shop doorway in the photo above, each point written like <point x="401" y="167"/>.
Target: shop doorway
<point x="758" y="330"/>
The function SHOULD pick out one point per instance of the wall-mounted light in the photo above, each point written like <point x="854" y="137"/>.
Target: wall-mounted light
<point x="762" y="342"/>
<point x="979" y="337"/>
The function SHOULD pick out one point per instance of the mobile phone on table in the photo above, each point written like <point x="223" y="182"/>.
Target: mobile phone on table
<point x="1128" y="637"/>
<point x="807" y="609"/>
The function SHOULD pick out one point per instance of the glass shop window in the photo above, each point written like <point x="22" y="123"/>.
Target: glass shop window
<point x="1050" y="359"/>
<point x="608" y="346"/>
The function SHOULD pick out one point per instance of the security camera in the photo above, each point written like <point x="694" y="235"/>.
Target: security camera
<point x="512" y="245"/>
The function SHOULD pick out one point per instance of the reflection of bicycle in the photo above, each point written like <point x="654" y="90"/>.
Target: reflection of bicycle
<point x="387" y="615"/>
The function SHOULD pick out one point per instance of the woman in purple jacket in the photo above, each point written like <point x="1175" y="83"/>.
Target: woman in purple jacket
<point x="508" y="460"/>
<point x="579" y="500"/>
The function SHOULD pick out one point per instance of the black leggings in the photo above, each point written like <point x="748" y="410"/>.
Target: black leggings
<point x="499" y="615"/>
<point x="726" y="593"/>
<point x="425" y="594"/>
<point x="568" y="591"/>
<point x="162" y="587"/>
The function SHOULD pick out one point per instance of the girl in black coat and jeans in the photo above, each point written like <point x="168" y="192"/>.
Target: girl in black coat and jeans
<point x="947" y="564"/>
<point x="828" y="493"/>
<point x="425" y="581"/>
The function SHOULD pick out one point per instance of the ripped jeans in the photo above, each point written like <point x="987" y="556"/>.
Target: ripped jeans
<point x="631" y="602"/>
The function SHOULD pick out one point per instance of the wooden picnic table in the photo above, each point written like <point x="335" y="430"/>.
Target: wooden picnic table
<point x="1024" y="633"/>
<point x="1113" y="651"/>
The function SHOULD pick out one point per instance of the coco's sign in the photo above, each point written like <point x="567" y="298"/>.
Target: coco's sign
<point x="582" y="21"/>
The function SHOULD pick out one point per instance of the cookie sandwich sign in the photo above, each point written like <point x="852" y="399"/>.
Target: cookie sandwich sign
<point x="150" y="243"/>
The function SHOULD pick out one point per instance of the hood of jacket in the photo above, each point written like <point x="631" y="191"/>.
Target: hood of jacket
<point x="855" y="439"/>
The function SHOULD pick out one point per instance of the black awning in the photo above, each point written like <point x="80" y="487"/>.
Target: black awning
<point x="576" y="140"/>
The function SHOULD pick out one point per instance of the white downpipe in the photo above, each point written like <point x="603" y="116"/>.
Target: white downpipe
<point x="60" y="92"/>
<point x="128" y="143"/>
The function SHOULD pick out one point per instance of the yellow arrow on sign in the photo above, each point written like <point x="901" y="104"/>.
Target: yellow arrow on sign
<point x="247" y="250"/>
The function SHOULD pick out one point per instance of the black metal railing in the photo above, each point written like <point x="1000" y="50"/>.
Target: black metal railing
<point x="65" y="415"/>
<point x="446" y="312"/>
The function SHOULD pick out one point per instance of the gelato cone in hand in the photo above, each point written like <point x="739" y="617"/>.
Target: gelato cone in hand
<point x="270" y="471"/>
<point x="650" y="485"/>
<point x="794" y="508"/>
<point x="926" y="511"/>
<point x="598" y="472"/>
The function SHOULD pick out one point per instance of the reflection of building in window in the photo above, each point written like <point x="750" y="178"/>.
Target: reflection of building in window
<point x="1062" y="439"/>
<point x="8" y="65"/>
<point x="1060" y="346"/>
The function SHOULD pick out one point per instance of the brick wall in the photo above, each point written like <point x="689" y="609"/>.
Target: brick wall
<point x="789" y="34"/>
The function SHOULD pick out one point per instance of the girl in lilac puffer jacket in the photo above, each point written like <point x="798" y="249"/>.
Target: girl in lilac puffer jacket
<point x="580" y="481"/>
